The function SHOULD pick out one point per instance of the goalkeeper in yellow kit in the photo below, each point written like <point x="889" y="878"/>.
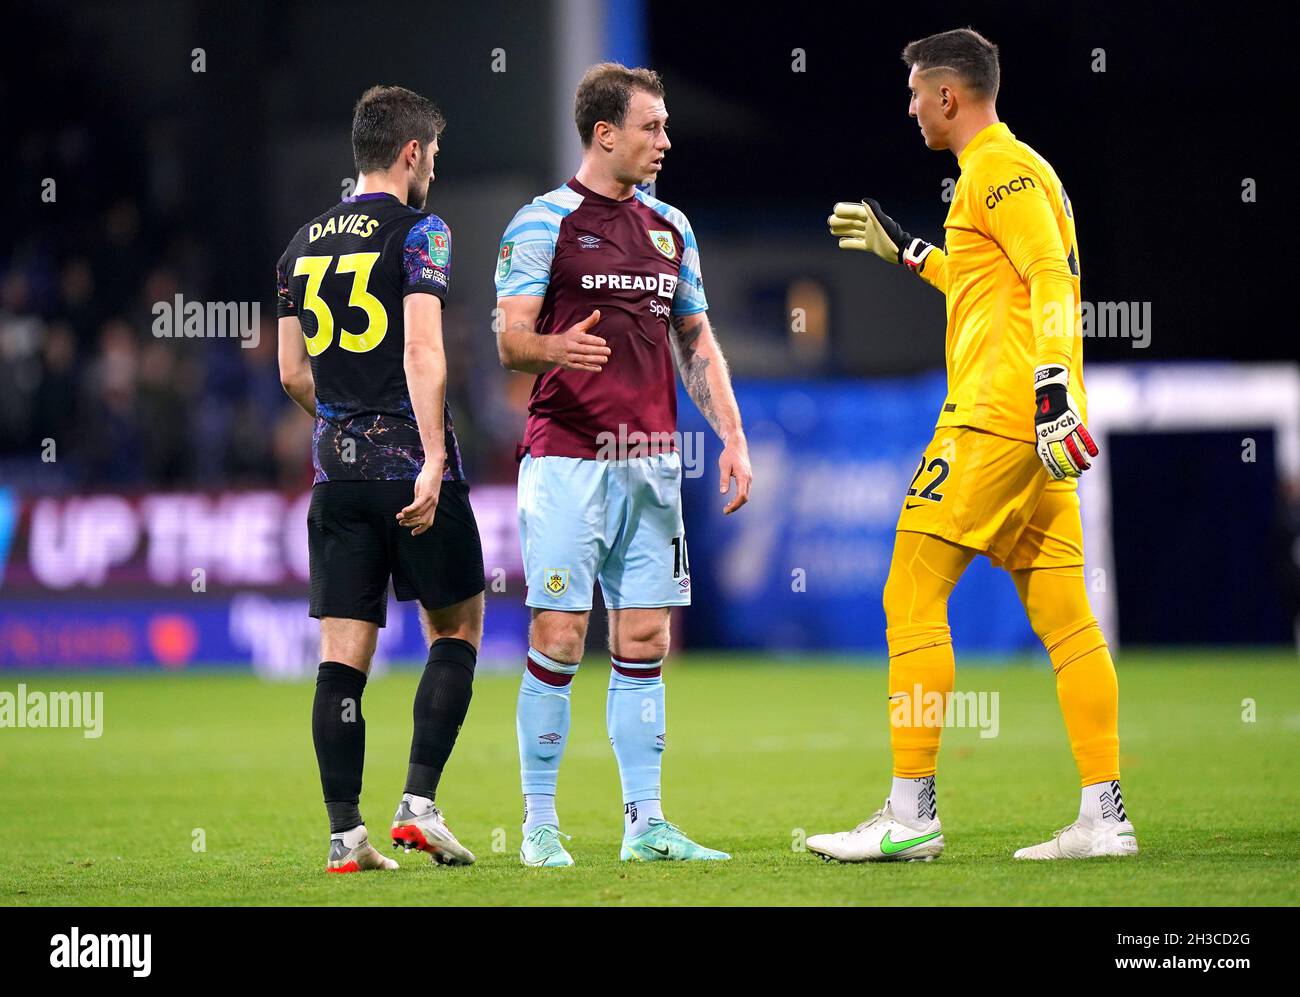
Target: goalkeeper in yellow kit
<point x="999" y="478"/>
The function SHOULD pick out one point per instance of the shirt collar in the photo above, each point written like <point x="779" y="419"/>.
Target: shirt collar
<point x="984" y="136"/>
<point x="587" y="192"/>
<point x="372" y="196"/>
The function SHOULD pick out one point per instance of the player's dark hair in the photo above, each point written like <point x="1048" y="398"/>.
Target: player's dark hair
<point x="385" y="119"/>
<point x="965" y="52"/>
<point x="605" y="92"/>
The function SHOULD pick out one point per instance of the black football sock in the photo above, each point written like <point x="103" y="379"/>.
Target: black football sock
<point x="339" y="732"/>
<point x="441" y="702"/>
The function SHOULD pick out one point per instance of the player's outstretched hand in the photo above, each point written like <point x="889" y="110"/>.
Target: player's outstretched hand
<point x="418" y="516"/>
<point x="734" y="465"/>
<point x="865" y="227"/>
<point x="576" y="349"/>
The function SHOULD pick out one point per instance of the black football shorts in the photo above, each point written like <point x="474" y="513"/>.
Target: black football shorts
<point x="355" y="543"/>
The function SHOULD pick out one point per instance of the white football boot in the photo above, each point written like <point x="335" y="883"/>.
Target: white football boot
<point x="351" y="851"/>
<point x="881" y="838"/>
<point x="1086" y="838"/>
<point x="428" y="832"/>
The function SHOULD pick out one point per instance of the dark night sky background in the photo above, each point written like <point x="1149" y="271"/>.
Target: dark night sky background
<point x="1153" y="151"/>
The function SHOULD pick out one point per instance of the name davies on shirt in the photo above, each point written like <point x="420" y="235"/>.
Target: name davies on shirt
<point x="362" y="225"/>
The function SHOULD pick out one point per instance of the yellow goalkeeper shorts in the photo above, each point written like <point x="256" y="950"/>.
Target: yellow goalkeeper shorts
<point x="992" y="494"/>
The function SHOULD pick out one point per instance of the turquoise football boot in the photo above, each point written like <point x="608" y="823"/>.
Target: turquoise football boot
<point x="543" y="848"/>
<point x="664" y="842"/>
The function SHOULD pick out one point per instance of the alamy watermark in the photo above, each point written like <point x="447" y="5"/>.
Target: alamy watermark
<point x="1103" y="320"/>
<point x="624" y="446"/>
<point x="91" y="950"/>
<point x="919" y="708"/>
<point x="181" y="319"/>
<point x="26" y="708"/>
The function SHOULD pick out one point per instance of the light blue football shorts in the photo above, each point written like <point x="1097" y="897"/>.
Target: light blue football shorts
<point x="617" y="522"/>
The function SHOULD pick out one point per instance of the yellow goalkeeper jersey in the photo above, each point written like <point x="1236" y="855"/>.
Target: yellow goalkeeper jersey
<point x="1010" y="272"/>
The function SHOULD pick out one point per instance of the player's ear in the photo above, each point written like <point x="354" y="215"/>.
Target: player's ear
<point x="948" y="101"/>
<point x="412" y="154"/>
<point x="603" y="135"/>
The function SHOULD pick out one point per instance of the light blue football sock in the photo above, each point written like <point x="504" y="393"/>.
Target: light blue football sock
<point x="634" y="717"/>
<point x="542" y="725"/>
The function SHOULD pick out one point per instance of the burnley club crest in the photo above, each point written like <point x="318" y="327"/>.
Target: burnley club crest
<point x="557" y="581"/>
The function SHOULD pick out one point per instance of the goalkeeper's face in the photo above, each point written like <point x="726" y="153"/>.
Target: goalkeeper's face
<point x="928" y="108"/>
<point x="639" y="146"/>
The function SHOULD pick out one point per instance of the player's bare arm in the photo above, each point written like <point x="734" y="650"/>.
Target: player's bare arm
<point x="426" y="380"/>
<point x="705" y="376"/>
<point x="295" y="368"/>
<point x="523" y="349"/>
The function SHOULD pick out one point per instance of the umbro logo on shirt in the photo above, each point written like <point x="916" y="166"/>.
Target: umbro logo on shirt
<point x="589" y="241"/>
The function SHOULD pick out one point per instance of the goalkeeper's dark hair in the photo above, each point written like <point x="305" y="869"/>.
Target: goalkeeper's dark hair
<point x="605" y="92"/>
<point x="965" y="52"/>
<point x="385" y="119"/>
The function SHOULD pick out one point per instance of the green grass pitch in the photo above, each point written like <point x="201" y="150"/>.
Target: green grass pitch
<point x="759" y="752"/>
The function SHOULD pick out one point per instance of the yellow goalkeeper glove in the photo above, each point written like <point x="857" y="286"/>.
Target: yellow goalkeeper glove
<point x="866" y="228"/>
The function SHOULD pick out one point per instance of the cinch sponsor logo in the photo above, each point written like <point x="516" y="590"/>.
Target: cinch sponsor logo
<point x="77" y="951"/>
<point x="997" y="193"/>
<point x="663" y="284"/>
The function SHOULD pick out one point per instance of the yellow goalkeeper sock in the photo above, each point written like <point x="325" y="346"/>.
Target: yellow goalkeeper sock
<point x="922" y="671"/>
<point x="1086" y="685"/>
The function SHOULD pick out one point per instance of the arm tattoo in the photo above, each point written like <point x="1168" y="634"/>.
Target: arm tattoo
<point x="693" y="367"/>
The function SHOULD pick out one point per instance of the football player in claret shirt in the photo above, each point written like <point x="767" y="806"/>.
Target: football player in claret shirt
<point x="1000" y="476"/>
<point x="361" y="289"/>
<point x="600" y="291"/>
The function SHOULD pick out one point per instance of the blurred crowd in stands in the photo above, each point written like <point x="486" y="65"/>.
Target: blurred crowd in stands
<point x="90" y="397"/>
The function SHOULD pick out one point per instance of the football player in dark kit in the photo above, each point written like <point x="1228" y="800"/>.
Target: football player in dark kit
<point x="360" y="293"/>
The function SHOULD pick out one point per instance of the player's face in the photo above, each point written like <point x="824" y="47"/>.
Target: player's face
<point x="420" y="178"/>
<point x="639" y="146"/>
<point x="926" y="106"/>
